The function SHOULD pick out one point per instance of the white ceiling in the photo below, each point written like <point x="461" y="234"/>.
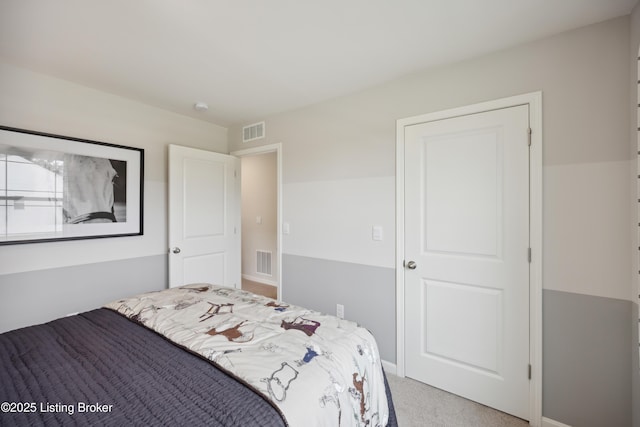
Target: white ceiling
<point x="250" y="58"/>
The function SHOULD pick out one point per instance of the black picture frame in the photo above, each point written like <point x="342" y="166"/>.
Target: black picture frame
<point x="56" y="188"/>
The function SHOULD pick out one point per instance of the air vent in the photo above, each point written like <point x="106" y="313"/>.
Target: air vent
<point x="252" y="132"/>
<point x="263" y="262"/>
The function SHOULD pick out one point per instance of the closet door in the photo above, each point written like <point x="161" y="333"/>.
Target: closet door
<point x="466" y="249"/>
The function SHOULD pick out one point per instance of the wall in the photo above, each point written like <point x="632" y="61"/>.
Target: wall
<point x="259" y="199"/>
<point x="586" y="355"/>
<point x="339" y="180"/>
<point x="42" y="281"/>
<point x="634" y="148"/>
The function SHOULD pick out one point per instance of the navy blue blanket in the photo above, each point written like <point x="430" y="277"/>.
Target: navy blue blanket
<point x="99" y="368"/>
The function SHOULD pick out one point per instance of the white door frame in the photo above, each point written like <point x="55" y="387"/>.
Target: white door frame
<point x="263" y="149"/>
<point x="534" y="101"/>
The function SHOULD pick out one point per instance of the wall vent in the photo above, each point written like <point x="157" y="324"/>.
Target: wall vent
<point x="263" y="262"/>
<point x="252" y="132"/>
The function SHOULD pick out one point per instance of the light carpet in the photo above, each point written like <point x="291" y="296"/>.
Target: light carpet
<point x="420" y="405"/>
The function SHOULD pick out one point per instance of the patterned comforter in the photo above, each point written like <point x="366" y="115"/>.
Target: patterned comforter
<point x="317" y="369"/>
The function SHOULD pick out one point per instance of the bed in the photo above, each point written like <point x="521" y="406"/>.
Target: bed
<point x="194" y="355"/>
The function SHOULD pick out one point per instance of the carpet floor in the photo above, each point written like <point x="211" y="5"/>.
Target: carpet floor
<point x="419" y="405"/>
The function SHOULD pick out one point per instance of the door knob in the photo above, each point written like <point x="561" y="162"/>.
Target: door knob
<point x="176" y="250"/>
<point x="411" y="265"/>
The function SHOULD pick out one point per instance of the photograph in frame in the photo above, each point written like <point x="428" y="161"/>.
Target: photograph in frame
<point x="55" y="187"/>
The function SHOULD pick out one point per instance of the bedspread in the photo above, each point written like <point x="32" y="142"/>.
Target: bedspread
<point x="316" y="368"/>
<point x="100" y="369"/>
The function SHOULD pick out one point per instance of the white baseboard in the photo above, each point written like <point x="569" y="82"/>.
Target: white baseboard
<point x="547" y="422"/>
<point x="389" y="368"/>
<point x="260" y="280"/>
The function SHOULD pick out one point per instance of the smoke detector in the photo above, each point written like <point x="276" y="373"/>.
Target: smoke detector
<point x="200" y="106"/>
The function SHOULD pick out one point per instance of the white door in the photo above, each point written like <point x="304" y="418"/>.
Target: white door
<point x="467" y="238"/>
<point x="204" y="217"/>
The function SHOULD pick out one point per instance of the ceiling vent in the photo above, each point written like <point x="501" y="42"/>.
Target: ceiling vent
<point x="252" y="132"/>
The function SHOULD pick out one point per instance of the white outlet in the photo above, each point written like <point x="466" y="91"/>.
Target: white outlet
<point x="340" y="311"/>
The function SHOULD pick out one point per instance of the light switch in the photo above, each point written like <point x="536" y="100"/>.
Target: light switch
<point x="376" y="233"/>
<point x="285" y="228"/>
<point x="258" y="220"/>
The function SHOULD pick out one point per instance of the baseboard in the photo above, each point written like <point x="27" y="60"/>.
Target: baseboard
<point x="260" y="280"/>
<point x="547" y="422"/>
<point x="389" y="368"/>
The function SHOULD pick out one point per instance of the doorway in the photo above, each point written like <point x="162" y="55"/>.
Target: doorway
<point x="261" y="190"/>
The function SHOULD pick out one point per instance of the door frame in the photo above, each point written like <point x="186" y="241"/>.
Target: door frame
<point x="534" y="101"/>
<point x="264" y="149"/>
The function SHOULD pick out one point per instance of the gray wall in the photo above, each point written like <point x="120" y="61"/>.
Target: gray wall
<point x="586" y="360"/>
<point x="43" y="295"/>
<point x="360" y="288"/>
<point x="635" y="367"/>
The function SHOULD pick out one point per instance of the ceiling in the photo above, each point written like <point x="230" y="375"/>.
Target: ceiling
<point x="248" y="59"/>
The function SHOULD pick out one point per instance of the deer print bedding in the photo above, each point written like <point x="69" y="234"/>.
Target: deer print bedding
<point x="315" y="368"/>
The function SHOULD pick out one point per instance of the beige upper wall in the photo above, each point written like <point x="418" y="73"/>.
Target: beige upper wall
<point x="37" y="102"/>
<point x="584" y="77"/>
<point x="634" y="147"/>
<point x="634" y="77"/>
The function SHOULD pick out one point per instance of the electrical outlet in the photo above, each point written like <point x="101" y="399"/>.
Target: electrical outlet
<point x="340" y="311"/>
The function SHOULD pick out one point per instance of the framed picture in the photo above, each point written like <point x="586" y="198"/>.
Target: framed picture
<point x="56" y="187"/>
